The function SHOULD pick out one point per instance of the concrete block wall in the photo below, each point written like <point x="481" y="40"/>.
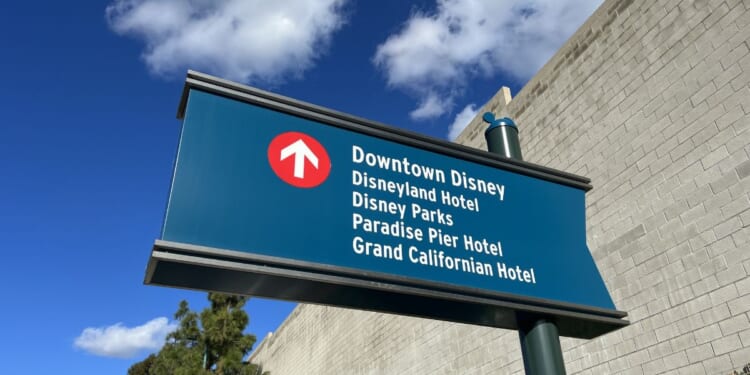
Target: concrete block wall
<point x="328" y="340"/>
<point x="651" y="100"/>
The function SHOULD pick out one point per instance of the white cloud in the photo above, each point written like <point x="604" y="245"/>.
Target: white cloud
<point x="462" y="119"/>
<point x="123" y="342"/>
<point x="243" y="40"/>
<point x="430" y="107"/>
<point x="463" y="39"/>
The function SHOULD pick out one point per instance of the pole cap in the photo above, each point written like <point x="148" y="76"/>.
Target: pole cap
<point x="489" y="118"/>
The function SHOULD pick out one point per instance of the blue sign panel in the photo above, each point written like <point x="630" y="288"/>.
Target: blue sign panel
<point x="259" y="181"/>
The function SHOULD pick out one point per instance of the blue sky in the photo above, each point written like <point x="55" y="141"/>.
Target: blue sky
<point x="88" y="133"/>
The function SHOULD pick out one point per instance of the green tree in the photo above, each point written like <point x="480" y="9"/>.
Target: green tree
<point x="143" y="367"/>
<point x="212" y="342"/>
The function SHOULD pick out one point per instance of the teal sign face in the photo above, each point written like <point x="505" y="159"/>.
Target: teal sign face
<point x="254" y="180"/>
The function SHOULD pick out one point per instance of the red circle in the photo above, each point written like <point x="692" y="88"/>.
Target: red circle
<point x="293" y="157"/>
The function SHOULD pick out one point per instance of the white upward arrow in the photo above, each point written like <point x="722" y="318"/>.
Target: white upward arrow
<point x="301" y="152"/>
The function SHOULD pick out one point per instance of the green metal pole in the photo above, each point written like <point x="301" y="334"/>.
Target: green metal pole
<point x="540" y="347"/>
<point x="540" y="340"/>
<point x="502" y="137"/>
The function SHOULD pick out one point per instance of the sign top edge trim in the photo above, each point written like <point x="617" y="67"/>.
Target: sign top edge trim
<point x="244" y="93"/>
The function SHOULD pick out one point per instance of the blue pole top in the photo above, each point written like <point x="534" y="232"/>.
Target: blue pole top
<point x="489" y="118"/>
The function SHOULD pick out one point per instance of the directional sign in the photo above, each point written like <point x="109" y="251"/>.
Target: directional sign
<point x="282" y="199"/>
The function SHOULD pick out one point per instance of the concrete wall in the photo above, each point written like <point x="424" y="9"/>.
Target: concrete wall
<point x="651" y="100"/>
